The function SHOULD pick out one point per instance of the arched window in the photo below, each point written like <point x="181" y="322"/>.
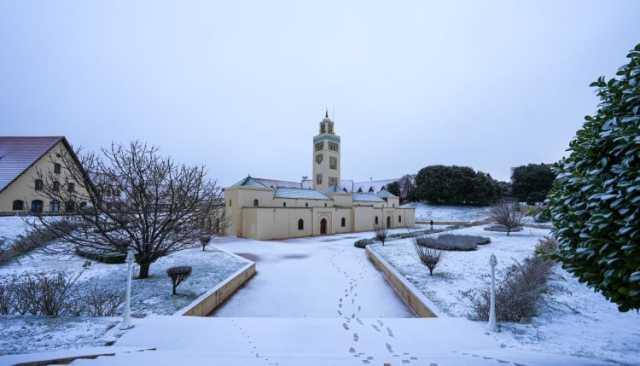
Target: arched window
<point x="300" y="224"/>
<point x="69" y="206"/>
<point x="399" y="218"/>
<point x="54" y="206"/>
<point x="18" y="205"/>
<point x="376" y="220"/>
<point x="256" y="203"/>
<point x="284" y="204"/>
<point x="306" y="204"/>
<point x="325" y="205"/>
<point x="36" y="206"/>
<point x="371" y="190"/>
<point x="343" y="222"/>
<point x="388" y="221"/>
<point x="39" y="185"/>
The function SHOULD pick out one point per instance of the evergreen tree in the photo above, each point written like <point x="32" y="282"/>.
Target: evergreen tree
<point x="531" y="183"/>
<point x="595" y="201"/>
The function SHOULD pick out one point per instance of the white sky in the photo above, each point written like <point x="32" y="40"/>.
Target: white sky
<point x="240" y="86"/>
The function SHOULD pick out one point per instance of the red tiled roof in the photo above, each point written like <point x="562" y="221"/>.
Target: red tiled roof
<point x="17" y="154"/>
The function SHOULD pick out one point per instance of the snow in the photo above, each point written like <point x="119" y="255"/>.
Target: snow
<point x="313" y="342"/>
<point x="573" y="319"/>
<point x="149" y="296"/>
<point x="426" y="212"/>
<point x="32" y="334"/>
<point x="10" y="228"/>
<point x="311" y="277"/>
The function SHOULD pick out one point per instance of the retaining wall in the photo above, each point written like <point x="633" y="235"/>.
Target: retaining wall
<point x="411" y="296"/>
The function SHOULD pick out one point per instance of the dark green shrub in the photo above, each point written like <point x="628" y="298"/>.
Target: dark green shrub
<point x="595" y="201"/>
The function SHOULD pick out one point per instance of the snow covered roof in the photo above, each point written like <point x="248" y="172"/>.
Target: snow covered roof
<point x="385" y="194"/>
<point x="17" y="154"/>
<point x="250" y="181"/>
<point x="366" y="197"/>
<point x="301" y="193"/>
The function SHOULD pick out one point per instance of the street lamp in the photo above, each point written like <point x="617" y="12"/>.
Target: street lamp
<point x="492" y="305"/>
<point x="126" y="317"/>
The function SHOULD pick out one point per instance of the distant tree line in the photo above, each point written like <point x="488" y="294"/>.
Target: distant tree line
<point x="459" y="185"/>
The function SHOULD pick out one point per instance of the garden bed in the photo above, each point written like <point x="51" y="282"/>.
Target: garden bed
<point x="571" y="319"/>
<point x="149" y="296"/>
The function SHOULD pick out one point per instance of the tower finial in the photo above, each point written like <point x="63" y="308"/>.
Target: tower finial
<point x="326" y="112"/>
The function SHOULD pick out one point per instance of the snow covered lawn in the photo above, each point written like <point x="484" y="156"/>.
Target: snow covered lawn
<point x="573" y="319"/>
<point x="10" y="228"/>
<point x="426" y="212"/>
<point x="149" y="296"/>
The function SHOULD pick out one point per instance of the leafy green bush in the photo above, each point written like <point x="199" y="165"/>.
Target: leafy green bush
<point x="456" y="185"/>
<point x="595" y="201"/>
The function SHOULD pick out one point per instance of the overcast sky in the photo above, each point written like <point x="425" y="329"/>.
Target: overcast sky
<point x="241" y="86"/>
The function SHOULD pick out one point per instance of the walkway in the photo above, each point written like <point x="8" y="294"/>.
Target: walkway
<point x="320" y="277"/>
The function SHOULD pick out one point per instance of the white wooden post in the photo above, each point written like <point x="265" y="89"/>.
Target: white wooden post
<point x="492" y="306"/>
<point x="126" y="318"/>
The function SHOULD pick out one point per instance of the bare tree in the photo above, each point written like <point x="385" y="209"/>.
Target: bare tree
<point x="131" y="197"/>
<point x="507" y="214"/>
<point x="428" y="256"/>
<point x="381" y="233"/>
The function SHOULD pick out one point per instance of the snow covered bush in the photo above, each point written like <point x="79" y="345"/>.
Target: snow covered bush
<point x="507" y="215"/>
<point x="381" y="233"/>
<point x="44" y="294"/>
<point x="177" y="275"/>
<point x="100" y="301"/>
<point x="546" y="248"/>
<point x="595" y="201"/>
<point x="449" y="242"/>
<point x="517" y="295"/>
<point x="56" y="294"/>
<point x="428" y="256"/>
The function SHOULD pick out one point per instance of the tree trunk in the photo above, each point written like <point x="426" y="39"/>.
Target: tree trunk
<point x="144" y="270"/>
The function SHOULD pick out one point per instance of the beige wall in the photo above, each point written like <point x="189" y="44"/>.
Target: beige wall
<point x="23" y="188"/>
<point x="273" y="220"/>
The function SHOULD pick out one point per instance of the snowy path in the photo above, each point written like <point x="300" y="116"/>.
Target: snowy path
<point x="313" y="277"/>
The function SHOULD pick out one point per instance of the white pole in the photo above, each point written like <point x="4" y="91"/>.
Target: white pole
<point x="126" y="318"/>
<point x="492" y="306"/>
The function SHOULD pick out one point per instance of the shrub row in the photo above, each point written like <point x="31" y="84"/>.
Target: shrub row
<point x="56" y="294"/>
<point x="453" y="242"/>
<point x="519" y="293"/>
<point x="35" y="238"/>
<point x="362" y="243"/>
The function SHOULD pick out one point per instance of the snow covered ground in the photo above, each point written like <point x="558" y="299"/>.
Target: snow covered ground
<point x="426" y="212"/>
<point x="311" y="277"/>
<point x="10" y="228"/>
<point x="573" y="319"/>
<point x="149" y="296"/>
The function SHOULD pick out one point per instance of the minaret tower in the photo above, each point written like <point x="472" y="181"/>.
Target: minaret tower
<point x="326" y="156"/>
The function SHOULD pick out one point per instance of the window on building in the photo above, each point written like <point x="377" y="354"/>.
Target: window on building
<point x="39" y="185"/>
<point x="71" y="187"/>
<point x="319" y="158"/>
<point x="18" y="205"/>
<point x="300" y="224"/>
<point x="319" y="146"/>
<point x="256" y="203"/>
<point x="284" y="204"/>
<point x="306" y="204"/>
<point x="230" y="203"/>
<point x="399" y="218"/>
<point x="333" y="146"/>
<point x="54" y="206"/>
<point x="323" y="129"/>
<point x="343" y="222"/>
<point x="375" y="221"/>
<point x="360" y="190"/>
<point x="333" y="181"/>
<point x="319" y="179"/>
<point x="325" y="205"/>
<point x="371" y="190"/>
<point x="57" y="168"/>
<point x="36" y="206"/>
<point x="56" y="186"/>
<point x="69" y="206"/>
<point x="333" y="162"/>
